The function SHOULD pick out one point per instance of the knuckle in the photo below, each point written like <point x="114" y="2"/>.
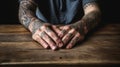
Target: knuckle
<point x="57" y="40"/>
<point x="72" y="31"/>
<point x="37" y="31"/>
<point x="78" y="34"/>
<point x="54" y="26"/>
<point x="43" y="27"/>
<point x="34" y="36"/>
<point x="68" y="27"/>
<point x="65" y="27"/>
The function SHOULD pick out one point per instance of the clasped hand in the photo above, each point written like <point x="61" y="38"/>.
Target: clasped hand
<point x="57" y="36"/>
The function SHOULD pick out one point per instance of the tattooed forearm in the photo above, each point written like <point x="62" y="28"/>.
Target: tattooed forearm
<point x="35" y="25"/>
<point x="92" y="15"/>
<point x="27" y="12"/>
<point x="90" y="19"/>
<point x="89" y="5"/>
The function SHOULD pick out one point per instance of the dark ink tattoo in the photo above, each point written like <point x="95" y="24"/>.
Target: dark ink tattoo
<point x="42" y="34"/>
<point x="93" y="18"/>
<point x="26" y="12"/>
<point x="78" y="26"/>
<point x="27" y="15"/>
<point x="89" y="4"/>
<point x="75" y="40"/>
<point x="89" y="20"/>
<point x="48" y="29"/>
<point x="63" y="31"/>
<point x="36" y="25"/>
<point x="70" y="34"/>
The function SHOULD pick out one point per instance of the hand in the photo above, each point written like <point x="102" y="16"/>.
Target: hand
<point x="70" y="35"/>
<point x="46" y="36"/>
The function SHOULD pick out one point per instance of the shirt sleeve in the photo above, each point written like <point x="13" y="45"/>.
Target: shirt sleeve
<point x="84" y="2"/>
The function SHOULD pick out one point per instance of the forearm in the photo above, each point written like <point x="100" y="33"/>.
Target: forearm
<point x="90" y="19"/>
<point x="92" y="15"/>
<point x="27" y="15"/>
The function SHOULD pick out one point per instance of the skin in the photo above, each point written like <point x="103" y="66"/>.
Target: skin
<point x="76" y="32"/>
<point x="41" y="32"/>
<point x="58" y="36"/>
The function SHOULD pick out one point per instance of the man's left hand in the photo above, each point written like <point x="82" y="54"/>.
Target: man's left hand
<point x="70" y="36"/>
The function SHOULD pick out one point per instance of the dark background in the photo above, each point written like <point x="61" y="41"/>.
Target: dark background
<point x="9" y="11"/>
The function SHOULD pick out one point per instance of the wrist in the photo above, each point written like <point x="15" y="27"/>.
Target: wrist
<point x="35" y="25"/>
<point x="81" y="27"/>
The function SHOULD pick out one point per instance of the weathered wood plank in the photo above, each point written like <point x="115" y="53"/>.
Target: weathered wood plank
<point x="92" y="51"/>
<point x="27" y="37"/>
<point x="19" y="29"/>
<point x="16" y="37"/>
<point x="87" y="53"/>
<point x="12" y="28"/>
<point x="17" y="47"/>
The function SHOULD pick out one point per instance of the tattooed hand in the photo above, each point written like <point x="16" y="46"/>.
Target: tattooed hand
<point x="46" y="36"/>
<point x="42" y="32"/>
<point x="71" y="34"/>
<point x="52" y="36"/>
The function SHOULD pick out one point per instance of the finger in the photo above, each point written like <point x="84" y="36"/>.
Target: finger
<point x="68" y="36"/>
<point x="61" y="27"/>
<point x="37" y="38"/>
<point x="74" y="40"/>
<point x="50" y="42"/>
<point x="64" y="31"/>
<point x="41" y="41"/>
<point x="53" y="36"/>
<point x="57" y="30"/>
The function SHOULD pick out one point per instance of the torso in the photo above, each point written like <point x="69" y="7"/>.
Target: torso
<point x="59" y="11"/>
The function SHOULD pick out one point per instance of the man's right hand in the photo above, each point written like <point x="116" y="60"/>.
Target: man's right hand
<point x="42" y="32"/>
<point x="46" y="36"/>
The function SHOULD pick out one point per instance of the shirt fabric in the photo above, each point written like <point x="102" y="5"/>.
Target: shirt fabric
<point x="60" y="11"/>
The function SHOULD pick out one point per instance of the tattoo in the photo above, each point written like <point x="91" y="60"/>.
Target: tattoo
<point x="27" y="10"/>
<point x="42" y="34"/>
<point x="89" y="4"/>
<point x="89" y="20"/>
<point x="63" y="31"/>
<point x="48" y="29"/>
<point x="27" y="15"/>
<point x="36" y="25"/>
<point x="68" y="38"/>
<point x="93" y="18"/>
<point x="70" y="34"/>
<point x="75" y="40"/>
<point x="78" y="26"/>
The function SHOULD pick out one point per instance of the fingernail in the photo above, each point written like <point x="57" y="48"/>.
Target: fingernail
<point x="54" y="48"/>
<point x="46" y="47"/>
<point x="68" y="47"/>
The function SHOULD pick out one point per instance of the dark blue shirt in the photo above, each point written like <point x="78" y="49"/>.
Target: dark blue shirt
<point x="60" y="11"/>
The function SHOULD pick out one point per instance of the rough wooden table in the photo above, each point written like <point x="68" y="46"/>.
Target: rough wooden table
<point x="99" y="48"/>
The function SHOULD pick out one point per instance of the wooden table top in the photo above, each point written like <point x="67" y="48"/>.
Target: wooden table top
<point x="100" y="47"/>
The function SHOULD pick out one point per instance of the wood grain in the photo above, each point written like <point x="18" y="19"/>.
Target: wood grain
<point x="100" y="47"/>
